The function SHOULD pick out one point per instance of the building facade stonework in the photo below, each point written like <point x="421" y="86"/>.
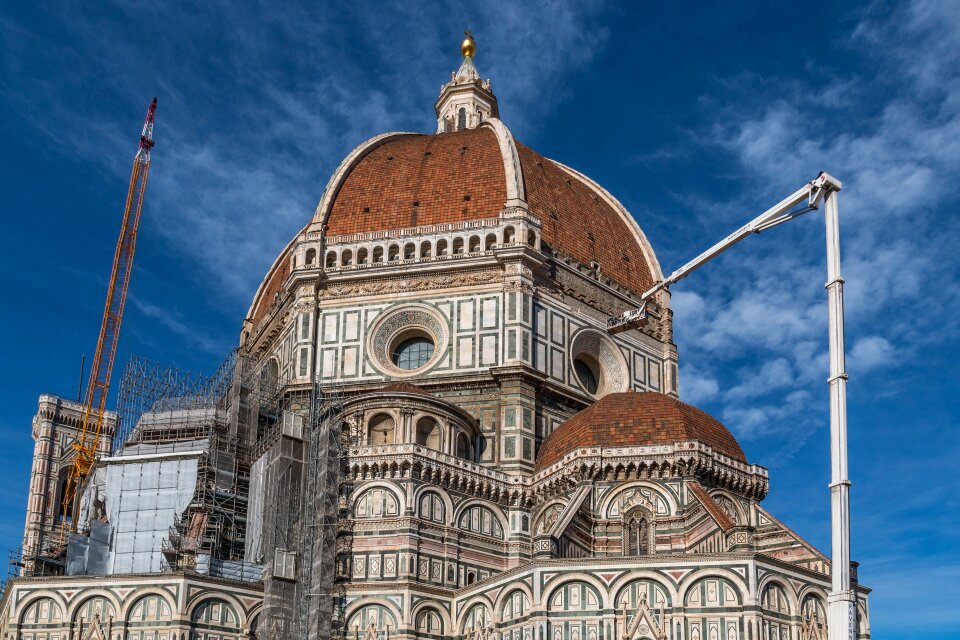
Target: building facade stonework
<point x="505" y="466"/>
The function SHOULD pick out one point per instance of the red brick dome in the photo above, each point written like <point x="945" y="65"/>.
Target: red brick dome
<point x="403" y="180"/>
<point x="633" y="419"/>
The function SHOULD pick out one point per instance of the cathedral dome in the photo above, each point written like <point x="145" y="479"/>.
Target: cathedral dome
<point x="403" y="181"/>
<point x="634" y="419"/>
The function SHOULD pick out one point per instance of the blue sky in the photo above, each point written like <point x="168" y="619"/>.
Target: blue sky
<point x="697" y="117"/>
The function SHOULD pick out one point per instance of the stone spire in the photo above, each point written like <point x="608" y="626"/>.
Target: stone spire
<point x="466" y="100"/>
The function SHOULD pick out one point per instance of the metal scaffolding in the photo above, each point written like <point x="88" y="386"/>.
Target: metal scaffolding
<point x="297" y="472"/>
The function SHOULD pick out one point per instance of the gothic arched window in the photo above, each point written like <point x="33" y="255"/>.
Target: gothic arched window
<point x="461" y="119"/>
<point x="636" y="534"/>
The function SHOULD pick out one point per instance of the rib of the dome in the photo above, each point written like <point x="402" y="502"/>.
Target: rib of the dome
<point x="422" y="180"/>
<point x="637" y="419"/>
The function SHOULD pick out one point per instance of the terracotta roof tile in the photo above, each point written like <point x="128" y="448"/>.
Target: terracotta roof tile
<point x="577" y="221"/>
<point x="718" y="514"/>
<point x="637" y="419"/>
<point x="422" y="180"/>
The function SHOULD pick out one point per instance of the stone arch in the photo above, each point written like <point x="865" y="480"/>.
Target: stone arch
<point x="519" y="587"/>
<point x="34" y="605"/>
<point x="695" y="578"/>
<point x="605" y="511"/>
<point x="424" y="435"/>
<point x="497" y="513"/>
<point x="376" y="428"/>
<point x="391" y="489"/>
<point x="645" y="575"/>
<point x="773" y="584"/>
<point x="218" y="613"/>
<point x="741" y="516"/>
<point x="470" y="606"/>
<point x="88" y="599"/>
<point x="568" y="580"/>
<point x="441" y="611"/>
<point x="205" y="596"/>
<point x="146" y="593"/>
<point x="516" y="195"/>
<point x="445" y="500"/>
<point x="357" y="608"/>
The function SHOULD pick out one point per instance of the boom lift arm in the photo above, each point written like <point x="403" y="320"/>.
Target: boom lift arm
<point x="813" y="192"/>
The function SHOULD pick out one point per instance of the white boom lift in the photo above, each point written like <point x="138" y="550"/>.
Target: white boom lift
<point x="824" y="189"/>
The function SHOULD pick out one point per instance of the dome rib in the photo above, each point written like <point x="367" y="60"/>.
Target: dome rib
<point x="634" y="419"/>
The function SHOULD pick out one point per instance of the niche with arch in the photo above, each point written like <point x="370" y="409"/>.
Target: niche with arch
<point x="381" y="430"/>
<point x="429" y="433"/>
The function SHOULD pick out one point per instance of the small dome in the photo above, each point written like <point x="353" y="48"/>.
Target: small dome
<point x="633" y="419"/>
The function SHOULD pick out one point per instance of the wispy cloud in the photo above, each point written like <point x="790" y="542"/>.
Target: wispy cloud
<point x="248" y="137"/>
<point x="762" y="317"/>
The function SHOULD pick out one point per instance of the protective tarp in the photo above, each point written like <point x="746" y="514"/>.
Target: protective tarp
<point x="254" y="541"/>
<point x="229" y="569"/>
<point x="142" y="497"/>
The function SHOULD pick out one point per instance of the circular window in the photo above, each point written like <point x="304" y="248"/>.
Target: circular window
<point x="588" y="373"/>
<point x="598" y="365"/>
<point x="408" y="339"/>
<point x="412" y="353"/>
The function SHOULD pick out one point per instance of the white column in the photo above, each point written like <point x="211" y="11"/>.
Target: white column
<point x="842" y="611"/>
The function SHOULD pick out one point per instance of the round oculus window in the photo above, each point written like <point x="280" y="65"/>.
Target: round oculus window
<point x="412" y="353"/>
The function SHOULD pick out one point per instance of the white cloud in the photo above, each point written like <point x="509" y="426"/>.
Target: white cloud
<point x="697" y="388"/>
<point x="869" y="353"/>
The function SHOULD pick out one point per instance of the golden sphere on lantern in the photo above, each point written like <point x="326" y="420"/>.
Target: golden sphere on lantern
<point x="468" y="47"/>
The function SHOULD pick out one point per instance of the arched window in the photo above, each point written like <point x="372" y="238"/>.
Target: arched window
<point x="377" y="255"/>
<point x="311" y="257"/>
<point x="457" y="246"/>
<point x="509" y="235"/>
<point x="461" y="119"/>
<point x="362" y="255"/>
<point x="425" y="250"/>
<point x="381" y="429"/>
<point x="636" y="534"/>
<point x="475" y="244"/>
<point x="346" y="258"/>
<point x="428" y="433"/>
<point x="394" y="253"/>
<point x="532" y="238"/>
<point x="331" y="259"/>
<point x="490" y="242"/>
<point x="409" y="251"/>
<point x="441" y="247"/>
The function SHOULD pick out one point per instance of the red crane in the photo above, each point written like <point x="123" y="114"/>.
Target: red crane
<point x="98" y="386"/>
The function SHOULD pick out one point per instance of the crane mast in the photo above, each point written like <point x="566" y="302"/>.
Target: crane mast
<point x="87" y="443"/>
